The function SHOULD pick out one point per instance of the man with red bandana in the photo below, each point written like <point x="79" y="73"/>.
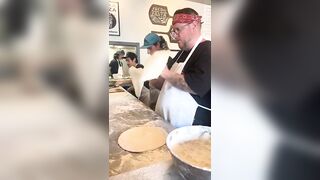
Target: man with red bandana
<point x="185" y="97"/>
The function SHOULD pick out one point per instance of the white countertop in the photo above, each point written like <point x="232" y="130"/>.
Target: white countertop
<point x="126" y="111"/>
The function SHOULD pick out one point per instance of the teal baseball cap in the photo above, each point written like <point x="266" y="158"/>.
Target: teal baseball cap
<point x="150" y="40"/>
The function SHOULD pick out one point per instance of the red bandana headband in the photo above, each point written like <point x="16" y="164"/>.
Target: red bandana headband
<point x="185" y="18"/>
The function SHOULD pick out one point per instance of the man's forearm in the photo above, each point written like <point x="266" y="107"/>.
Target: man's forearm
<point x="178" y="81"/>
<point x="156" y="83"/>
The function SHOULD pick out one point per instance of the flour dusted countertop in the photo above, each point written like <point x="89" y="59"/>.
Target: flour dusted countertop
<point x="125" y="112"/>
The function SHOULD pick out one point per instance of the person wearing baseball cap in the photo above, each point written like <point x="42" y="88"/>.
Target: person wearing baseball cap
<point x="150" y="40"/>
<point x="153" y="43"/>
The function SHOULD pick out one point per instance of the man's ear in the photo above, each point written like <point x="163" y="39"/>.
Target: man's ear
<point x="193" y="24"/>
<point x="196" y="24"/>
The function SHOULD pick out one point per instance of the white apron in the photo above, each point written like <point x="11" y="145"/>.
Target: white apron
<point x="177" y="106"/>
<point x="120" y="70"/>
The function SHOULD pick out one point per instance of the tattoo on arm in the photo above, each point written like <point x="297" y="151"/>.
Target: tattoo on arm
<point x="179" y="81"/>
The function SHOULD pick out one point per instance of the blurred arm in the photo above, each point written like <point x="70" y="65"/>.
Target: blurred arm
<point x="157" y="83"/>
<point x="177" y="80"/>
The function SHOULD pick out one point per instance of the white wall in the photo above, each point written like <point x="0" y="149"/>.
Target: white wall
<point x="135" y="23"/>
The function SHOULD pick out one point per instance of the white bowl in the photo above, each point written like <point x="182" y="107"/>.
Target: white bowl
<point x="187" y="133"/>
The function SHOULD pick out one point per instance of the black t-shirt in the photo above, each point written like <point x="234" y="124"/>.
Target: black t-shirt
<point x="114" y="66"/>
<point x="139" y="66"/>
<point x="197" y="72"/>
<point x="170" y="62"/>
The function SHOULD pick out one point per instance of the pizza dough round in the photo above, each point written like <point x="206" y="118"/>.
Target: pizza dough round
<point x="140" y="139"/>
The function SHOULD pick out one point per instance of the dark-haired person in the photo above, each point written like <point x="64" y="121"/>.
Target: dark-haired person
<point x="185" y="97"/>
<point x="152" y="42"/>
<point x="116" y="63"/>
<point x="132" y="60"/>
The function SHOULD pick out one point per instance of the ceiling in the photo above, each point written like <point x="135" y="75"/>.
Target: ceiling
<point x="208" y="2"/>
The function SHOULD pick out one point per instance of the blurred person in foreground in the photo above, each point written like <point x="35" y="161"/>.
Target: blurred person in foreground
<point x="280" y="51"/>
<point x="45" y="134"/>
<point x="185" y="97"/>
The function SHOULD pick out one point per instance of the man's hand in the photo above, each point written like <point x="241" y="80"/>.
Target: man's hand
<point x="166" y="73"/>
<point x="123" y="82"/>
<point x="156" y="83"/>
<point x="118" y="83"/>
<point x="177" y="80"/>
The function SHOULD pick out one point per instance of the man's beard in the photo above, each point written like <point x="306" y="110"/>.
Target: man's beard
<point x="183" y="46"/>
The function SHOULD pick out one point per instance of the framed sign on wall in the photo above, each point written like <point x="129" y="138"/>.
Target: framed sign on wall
<point x="114" y="19"/>
<point x="159" y="15"/>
